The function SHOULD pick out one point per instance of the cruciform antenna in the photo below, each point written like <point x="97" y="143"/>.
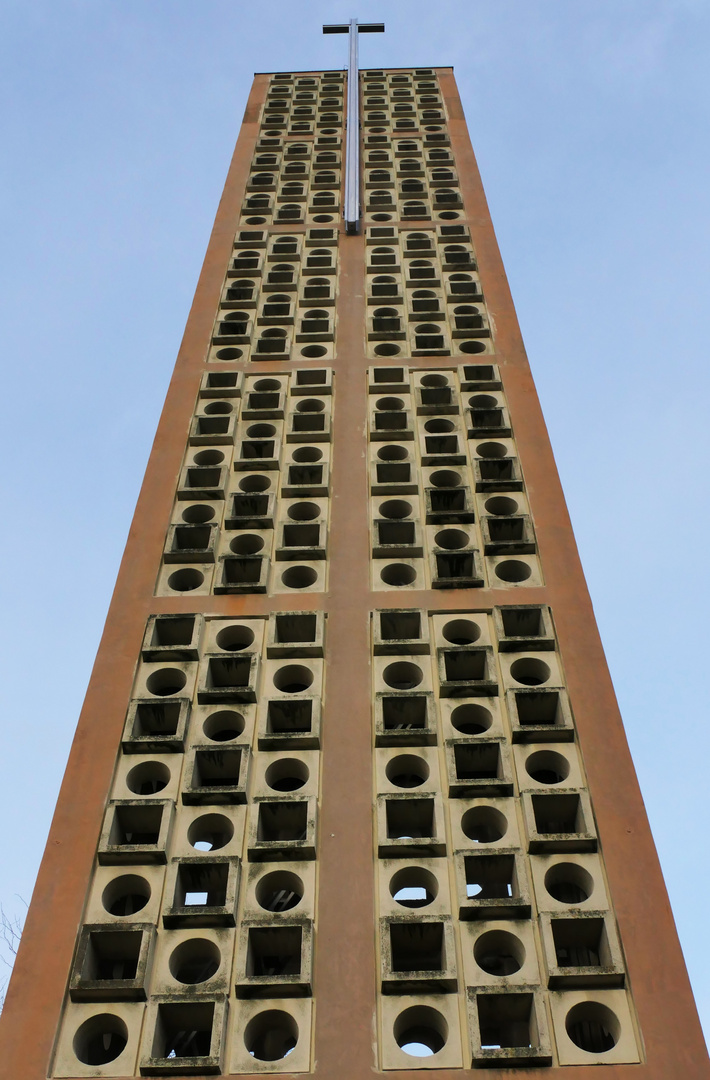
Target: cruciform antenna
<point x="351" y="212"/>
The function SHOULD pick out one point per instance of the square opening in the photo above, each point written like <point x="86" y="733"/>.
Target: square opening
<point x="410" y="819"/>
<point x="451" y="501"/>
<point x="228" y="672"/>
<point x="503" y="530"/>
<point x="183" y="1030"/>
<point x="490" y="877"/>
<point x="274" y="951"/>
<point x="396" y="532"/>
<point x="455" y="565"/>
<point x="295" y="627"/>
<point x="267" y="400"/>
<point x="191" y="538"/>
<point x="301" y="536"/>
<point x="157" y="719"/>
<point x="400" y="713"/>
<point x="465" y="665"/>
<point x="173" y="631"/>
<point x="242" y="571"/>
<point x="479" y="373"/>
<point x="581" y="943"/>
<point x="288" y="717"/>
<point x="505" y="1020"/>
<point x="480" y="761"/>
<point x="199" y="476"/>
<point x="201" y="885"/>
<point x="222" y="380"/>
<point x="556" y="814"/>
<point x="257" y="449"/>
<point x="250" y="505"/>
<point x="522" y="622"/>
<point x="216" y="768"/>
<point x="393" y="472"/>
<point x="400" y="626"/>
<point x="136" y="825"/>
<point x="391" y="421"/>
<point x="496" y="469"/>
<point x="307" y="421"/>
<point x="282" y="821"/>
<point x="388" y="374"/>
<point x="302" y="475"/>
<point x="417" y="946"/>
<point x="112" y="955"/>
<point x="212" y="425"/>
<point x="313" y="378"/>
<point x="539" y="708"/>
<point x="442" y="444"/>
<point x="436" y="395"/>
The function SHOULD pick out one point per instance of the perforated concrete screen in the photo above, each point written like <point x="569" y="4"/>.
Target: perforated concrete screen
<point x="350" y="792"/>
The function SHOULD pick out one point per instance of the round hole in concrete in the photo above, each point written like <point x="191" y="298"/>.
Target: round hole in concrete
<point x="255" y="482"/>
<point x="403" y="675"/>
<point x="414" y="887"/>
<point x="395" y="509"/>
<point x="435" y="380"/>
<point x="382" y="217"/>
<point x="100" y="1039"/>
<point x="223" y="726"/>
<point x="314" y="352"/>
<point x="593" y="1027"/>
<point x="247" y="544"/>
<point x="491" y="450"/>
<point x="303" y="511"/>
<point x="299" y="577"/>
<point x="438" y="426"/>
<point x="407" y="771"/>
<point x="513" y="571"/>
<point x="307" y="453"/>
<point x="208" y="457"/>
<point x="186" y="580"/>
<point x="387" y="348"/>
<point x="126" y="895"/>
<point x="267" y="384"/>
<point x="421" y="1031"/>
<point x="483" y="401"/>
<point x="547" y="767"/>
<point x="445" y="478"/>
<point x="210" y="832"/>
<point x="197" y="514"/>
<point x="389" y="404"/>
<point x="471" y="719"/>
<point x="293" y="678"/>
<point x="261" y="431"/>
<point x="461" y="631"/>
<point x="310" y="405"/>
<point x="472" y="347"/>
<point x="165" y="682"/>
<point x="501" y="506"/>
<point x="218" y="408"/>
<point x="451" y="539"/>
<point x="235" y="638"/>
<point x="287" y="774"/>
<point x="530" y="671"/>
<point x="271" y="1035"/>
<point x="392" y="453"/>
<point x="229" y="354"/>
<point x="398" y="574"/>
<point x="279" y="891"/>
<point x="148" y="778"/>
<point x="194" y="961"/>
<point x="484" y="824"/>
<point x="569" y="883"/>
<point x="499" y="953"/>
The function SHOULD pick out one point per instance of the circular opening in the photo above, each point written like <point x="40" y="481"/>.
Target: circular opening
<point x="471" y="719"/>
<point x="100" y="1039"/>
<point x="165" y="682"/>
<point x="267" y="384"/>
<point x="310" y="405"/>
<point x="513" y="570"/>
<point x="472" y="347"/>
<point x="299" y="577"/>
<point x="461" y="632"/>
<point x="217" y="408"/>
<point x="319" y="218"/>
<point x="209" y="457"/>
<point x="439" y="426"/>
<point x="126" y="895"/>
<point x="293" y="678"/>
<point x="569" y="883"/>
<point x="414" y="887"/>
<point x="248" y="544"/>
<point x="314" y="352"/>
<point x="451" y="539"/>
<point x="148" y="778"/>
<point x="484" y="824"/>
<point x="210" y="832"/>
<point x="194" y="961"/>
<point x="186" y="580"/>
<point x="307" y="453"/>
<point x="392" y="453"/>
<point x="235" y="638"/>
<point x="407" y="771"/>
<point x="279" y="891"/>
<point x="231" y="354"/>
<point x="434" y="380"/>
<point x="389" y="404"/>
<point x="398" y="574"/>
<point x="403" y="675"/>
<point x="303" y="511"/>
<point x="261" y="431"/>
<point x="287" y="774"/>
<point x="255" y="483"/>
<point x="592" y="1027"/>
<point x="387" y="348"/>
<point x="482" y="401"/>
<point x="445" y="478"/>
<point x="420" y="1031"/>
<point x="547" y="767"/>
<point x="381" y="217"/>
<point x="197" y="514"/>
<point x="530" y="671"/>
<point x="499" y="953"/>
<point x="271" y="1035"/>
<point x="256" y="221"/>
<point x="223" y="726"/>
<point x="394" y="509"/>
<point x="501" y="506"/>
<point x="491" y="450"/>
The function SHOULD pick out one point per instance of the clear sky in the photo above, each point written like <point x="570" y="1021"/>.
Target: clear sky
<point x="590" y="123"/>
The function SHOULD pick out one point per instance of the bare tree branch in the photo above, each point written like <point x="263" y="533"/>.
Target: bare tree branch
<point x="10" y="934"/>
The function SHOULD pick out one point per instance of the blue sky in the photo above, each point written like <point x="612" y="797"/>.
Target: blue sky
<point x="590" y="123"/>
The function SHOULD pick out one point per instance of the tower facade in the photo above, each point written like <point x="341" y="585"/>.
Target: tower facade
<point x="350" y="792"/>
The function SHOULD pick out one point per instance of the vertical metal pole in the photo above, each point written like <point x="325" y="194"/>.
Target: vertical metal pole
<point x="352" y="139"/>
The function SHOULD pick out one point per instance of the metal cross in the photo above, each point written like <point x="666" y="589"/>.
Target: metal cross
<point x="351" y="212"/>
